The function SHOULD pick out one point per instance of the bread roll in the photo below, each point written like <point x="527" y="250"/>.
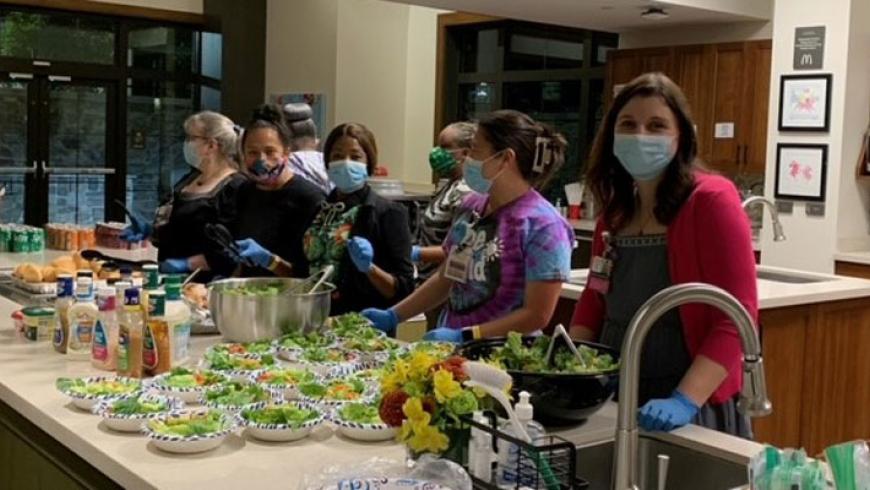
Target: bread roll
<point x="49" y="274"/>
<point x="31" y="273"/>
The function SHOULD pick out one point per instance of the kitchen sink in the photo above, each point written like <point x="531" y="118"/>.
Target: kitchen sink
<point x="689" y="468"/>
<point x="789" y="278"/>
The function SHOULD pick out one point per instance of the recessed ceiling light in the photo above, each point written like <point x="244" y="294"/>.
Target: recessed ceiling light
<point x="655" y="13"/>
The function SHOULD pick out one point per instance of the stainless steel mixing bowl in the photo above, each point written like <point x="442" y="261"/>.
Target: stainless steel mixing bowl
<point x="249" y="318"/>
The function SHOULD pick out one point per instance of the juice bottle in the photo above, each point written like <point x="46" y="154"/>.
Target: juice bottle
<point x="83" y="315"/>
<point x="156" y="350"/>
<point x="178" y="317"/>
<point x="130" y="326"/>
<point x="150" y="281"/>
<point x="65" y="299"/>
<point x="104" y="349"/>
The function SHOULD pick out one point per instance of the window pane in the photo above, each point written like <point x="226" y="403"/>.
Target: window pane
<point x="162" y="49"/>
<point x="76" y="199"/>
<point x="56" y="37"/>
<point x="478" y="50"/>
<point x="533" y="52"/>
<point x="77" y="125"/>
<point x="601" y="45"/>
<point x="13" y="148"/>
<point x="209" y="99"/>
<point x="155" y="115"/>
<point x="212" y="54"/>
<point x="475" y="100"/>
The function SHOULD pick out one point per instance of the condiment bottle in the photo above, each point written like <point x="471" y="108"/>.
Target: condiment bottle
<point x="104" y="349"/>
<point x="130" y="335"/>
<point x="65" y="299"/>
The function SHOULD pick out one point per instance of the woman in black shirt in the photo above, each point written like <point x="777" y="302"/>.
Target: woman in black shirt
<point x="276" y="206"/>
<point x="366" y="237"/>
<point x="207" y="194"/>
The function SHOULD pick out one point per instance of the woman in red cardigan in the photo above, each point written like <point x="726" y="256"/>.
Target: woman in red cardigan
<point x="665" y="221"/>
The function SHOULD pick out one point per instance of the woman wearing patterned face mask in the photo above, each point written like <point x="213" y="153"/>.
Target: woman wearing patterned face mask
<point x="509" y="250"/>
<point x="207" y="194"/>
<point x="664" y="221"/>
<point x="364" y="236"/>
<point x="277" y="206"/>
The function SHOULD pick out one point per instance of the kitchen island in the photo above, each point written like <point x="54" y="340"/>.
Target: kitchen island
<point x="814" y="329"/>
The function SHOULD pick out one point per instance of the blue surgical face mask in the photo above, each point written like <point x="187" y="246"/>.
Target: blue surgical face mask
<point x="472" y="172"/>
<point x="348" y="175"/>
<point x="643" y="156"/>
<point x="190" y="155"/>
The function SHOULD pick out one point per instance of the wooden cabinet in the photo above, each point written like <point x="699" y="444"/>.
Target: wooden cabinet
<point x="852" y="269"/>
<point x="724" y="83"/>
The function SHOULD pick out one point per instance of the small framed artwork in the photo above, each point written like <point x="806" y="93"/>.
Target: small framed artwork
<point x="805" y="102"/>
<point x="801" y="172"/>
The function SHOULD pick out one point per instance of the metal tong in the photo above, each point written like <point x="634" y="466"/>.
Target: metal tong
<point x="324" y="274"/>
<point x="221" y="236"/>
<point x="560" y="331"/>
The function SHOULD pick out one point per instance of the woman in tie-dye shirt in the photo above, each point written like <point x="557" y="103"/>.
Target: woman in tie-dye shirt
<point x="508" y="251"/>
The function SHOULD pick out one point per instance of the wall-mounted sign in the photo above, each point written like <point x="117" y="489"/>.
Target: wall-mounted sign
<point x="723" y="130"/>
<point x="809" y="48"/>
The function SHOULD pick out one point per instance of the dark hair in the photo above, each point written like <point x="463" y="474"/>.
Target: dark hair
<point x="268" y="116"/>
<point x="613" y="187"/>
<point x="299" y="120"/>
<point x="512" y="129"/>
<point x="361" y="134"/>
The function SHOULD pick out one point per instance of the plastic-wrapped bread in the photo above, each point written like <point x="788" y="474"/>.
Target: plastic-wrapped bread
<point x="31" y="273"/>
<point x="81" y="262"/>
<point x="65" y="265"/>
<point x="49" y="274"/>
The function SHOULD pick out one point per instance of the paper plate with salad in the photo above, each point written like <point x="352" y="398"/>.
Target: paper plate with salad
<point x="244" y="349"/>
<point x="128" y="414"/>
<point x="281" y="421"/>
<point x="353" y="325"/>
<point x="284" y="380"/>
<point x="189" y="431"/>
<point x="238" y="368"/>
<point x="235" y="396"/>
<point x="87" y="392"/>
<point x="361" y="421"/>
<point x="187" y="384"/>
<point x="290" y="346"/>
<point x="336" y="391"/>
<point x="329" y="361"/>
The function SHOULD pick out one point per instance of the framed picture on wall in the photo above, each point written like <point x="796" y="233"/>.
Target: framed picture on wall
<point x="805" y="102"/>
<point x="801" y="172"/>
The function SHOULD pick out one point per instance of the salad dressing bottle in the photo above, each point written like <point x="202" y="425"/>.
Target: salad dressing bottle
<point x="130" y="329"/>
<point x="82" y="317"/>
<point x="156" y="351"/>
<point x="104" y="349"/>
<point x="62" y="304"/>
<point x="178" y="316"/>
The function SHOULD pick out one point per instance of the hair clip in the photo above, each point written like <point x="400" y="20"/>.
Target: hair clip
<point x="543" y="154"/>
<point x="237" y="129"/>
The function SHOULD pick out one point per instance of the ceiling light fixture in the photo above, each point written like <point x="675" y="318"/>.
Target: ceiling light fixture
<point x="655" y="13"/>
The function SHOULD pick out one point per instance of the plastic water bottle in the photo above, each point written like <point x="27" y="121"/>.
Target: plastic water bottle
<point x="509" y="453"/>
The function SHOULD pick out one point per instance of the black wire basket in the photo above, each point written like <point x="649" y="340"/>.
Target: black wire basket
<point x="548" y="463"/>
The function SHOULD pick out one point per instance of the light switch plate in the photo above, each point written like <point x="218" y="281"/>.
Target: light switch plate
<point x="815" y="209"/>
<point x="784" y="207"/>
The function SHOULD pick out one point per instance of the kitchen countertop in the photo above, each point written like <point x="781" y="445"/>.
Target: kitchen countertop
<point x="853" y="257"/>
<point x="774" y="293"/>
<point x="10" y="260"/>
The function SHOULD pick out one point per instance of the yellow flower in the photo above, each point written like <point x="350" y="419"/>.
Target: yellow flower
<point x="396" y="378"/>
<point x="413" y="409"/>
<point x="445" y="386"/>
<point x="421" y="363"/>
<point x="428" y="439"/>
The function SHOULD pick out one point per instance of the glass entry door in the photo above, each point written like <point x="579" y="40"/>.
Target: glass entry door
<point x="55" y="159"/>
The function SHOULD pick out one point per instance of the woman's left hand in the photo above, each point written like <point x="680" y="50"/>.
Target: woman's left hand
<point x="175" y="266"/>
<point x="444" y="334"/>
<point x="667" y="414"/>
<point x="361" y="253"/>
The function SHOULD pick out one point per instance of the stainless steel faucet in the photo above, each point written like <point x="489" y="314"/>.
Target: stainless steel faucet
<point x="778" y="234"/>
<point x="753" y="399"/>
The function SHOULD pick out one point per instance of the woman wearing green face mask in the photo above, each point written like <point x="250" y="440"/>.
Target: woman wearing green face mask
<point x="664" y="221"/>
<point x="446" y="159"/>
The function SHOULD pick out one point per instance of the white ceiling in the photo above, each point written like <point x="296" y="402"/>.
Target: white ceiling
<point x="610" y="15"/>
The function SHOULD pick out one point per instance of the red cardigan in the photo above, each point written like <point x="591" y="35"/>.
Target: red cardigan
<point x="709" y="241"/>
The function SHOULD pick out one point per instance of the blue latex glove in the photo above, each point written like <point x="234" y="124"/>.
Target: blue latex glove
<point x="139" y="228"/>
<point x="667" y="414"/>
<point x="384" y="320"/>
<point x="444" y="334"/>
<point x="415" y="253"/>
<point x="174" y="266"/>
<point x="361" y="253"/>
<point x="252" y="251"/>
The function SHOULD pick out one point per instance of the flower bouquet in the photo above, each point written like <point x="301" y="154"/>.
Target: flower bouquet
<point x="424" y="397"/>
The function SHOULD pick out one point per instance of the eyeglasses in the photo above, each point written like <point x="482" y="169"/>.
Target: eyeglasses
<point x="192" y="137"/>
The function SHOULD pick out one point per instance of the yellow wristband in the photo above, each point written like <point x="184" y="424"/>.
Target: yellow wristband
<point x="276" y="261"/>
<point x="475" y="332"/>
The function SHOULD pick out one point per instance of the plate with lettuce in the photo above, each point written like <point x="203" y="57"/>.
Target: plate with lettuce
<point x="362" y="422"/>
<point x="281" y="421"/>
<point x="128" y="414"/>
<point x="189" y="431"/>
<point x="188" y="384"/>
<point x="88" y="391"/>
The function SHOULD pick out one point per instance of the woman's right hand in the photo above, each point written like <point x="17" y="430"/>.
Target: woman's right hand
<point x="253" y="252"/>
<point x="384" y="320"/>
<point x="139" y="228"/>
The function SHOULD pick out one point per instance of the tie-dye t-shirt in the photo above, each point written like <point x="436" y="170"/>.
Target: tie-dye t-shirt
<point x="522" y="242"/>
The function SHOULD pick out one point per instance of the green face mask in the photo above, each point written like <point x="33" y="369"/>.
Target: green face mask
<point x="441" y="161"/>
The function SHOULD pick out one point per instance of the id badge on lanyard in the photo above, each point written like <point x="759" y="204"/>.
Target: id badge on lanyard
<point x="459" y="259"/>
<point x="601" y="267"/>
